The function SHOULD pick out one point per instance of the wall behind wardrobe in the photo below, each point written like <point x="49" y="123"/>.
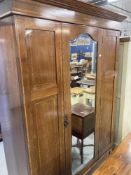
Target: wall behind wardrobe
<point x="123" y="98"/>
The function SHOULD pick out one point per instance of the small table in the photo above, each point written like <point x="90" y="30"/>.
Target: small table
<point x="83" y="123"/>
<point x="78" y="67"/>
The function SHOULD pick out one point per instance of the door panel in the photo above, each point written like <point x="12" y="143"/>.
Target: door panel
<point x="46" y="118"/>
<point x="109" y="54"/>
<point x="43" y="71"/>
<point x="71" y="33"/>
<point x="39" y="44"/>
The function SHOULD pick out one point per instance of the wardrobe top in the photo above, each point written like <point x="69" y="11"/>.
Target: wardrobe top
<point x="65" y="11"/>
<point x="85" y="8"/>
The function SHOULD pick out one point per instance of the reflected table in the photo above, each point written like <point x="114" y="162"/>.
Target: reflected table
<point x="83" y="95"/>
<point x="87" y="83"/>
<point x="83" y="124"/>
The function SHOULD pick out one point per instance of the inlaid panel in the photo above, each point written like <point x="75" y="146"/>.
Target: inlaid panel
<point x="106" y="110"/>
<point x="110" y="53"/>
<point x="46" y="117"/>
<point x="41" y="55"/>
<point x="107" y="91"/>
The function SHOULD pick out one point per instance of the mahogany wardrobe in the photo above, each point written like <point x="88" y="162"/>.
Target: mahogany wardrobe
<point x="58" y="68"/>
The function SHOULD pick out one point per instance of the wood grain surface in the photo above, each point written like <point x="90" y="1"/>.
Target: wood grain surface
<point x="71" y="12"/>
<point x="119" y="162"/>
<point x="85" y="8"/>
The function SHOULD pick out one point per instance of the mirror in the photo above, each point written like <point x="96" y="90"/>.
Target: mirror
<point x="83" y="54"/>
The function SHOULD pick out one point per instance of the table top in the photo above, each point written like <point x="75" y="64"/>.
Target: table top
<point x="80" y="90"/>
<point x="82" y="110"/>
<point x="90" y="76"/>
<point x="76" y="90"/>
<point x="87" y="82"/>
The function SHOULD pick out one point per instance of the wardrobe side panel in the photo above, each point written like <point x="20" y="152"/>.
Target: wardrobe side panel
<point x="10" y="103"/>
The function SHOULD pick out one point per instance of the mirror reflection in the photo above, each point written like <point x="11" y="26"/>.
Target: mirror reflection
<point x="83" y="53"/>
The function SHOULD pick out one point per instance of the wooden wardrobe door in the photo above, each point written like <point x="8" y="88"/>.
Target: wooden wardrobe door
<point x="108" y="68"/>
<point x="69" y="33"/>
<point x="39" y="45"/>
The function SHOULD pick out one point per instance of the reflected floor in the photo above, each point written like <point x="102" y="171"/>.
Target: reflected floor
<point x="88" y="154"/>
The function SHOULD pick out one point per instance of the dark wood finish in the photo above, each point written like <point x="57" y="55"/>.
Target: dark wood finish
<point x="11" y="108"/>
<point x="83" y="126"/>
<point x="82" y="110"/>
<point x="83" y="120"/>
<point x="85" y="8"/>
<point x="83" y="123"/>
<point x="119" y="161"/>
<point x="41" y="10"/>
<point x="39" y="46"/>
<point x="109" y="55"/>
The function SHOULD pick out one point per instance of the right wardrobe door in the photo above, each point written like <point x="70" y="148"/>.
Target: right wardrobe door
<point x="109" y="49"/>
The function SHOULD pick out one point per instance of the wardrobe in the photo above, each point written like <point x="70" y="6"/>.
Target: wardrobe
<point x="37" y="39"/>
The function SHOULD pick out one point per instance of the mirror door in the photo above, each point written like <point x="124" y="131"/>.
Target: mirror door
<point x="80" y="50"/>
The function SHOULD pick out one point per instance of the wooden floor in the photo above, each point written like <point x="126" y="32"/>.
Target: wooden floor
<point x="119" y="162"/>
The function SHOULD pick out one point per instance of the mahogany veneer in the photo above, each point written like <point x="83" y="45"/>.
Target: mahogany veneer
<point x="35" y="82"/>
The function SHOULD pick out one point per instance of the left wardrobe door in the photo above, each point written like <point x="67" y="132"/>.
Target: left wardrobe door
<point x="39" y="50"/>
